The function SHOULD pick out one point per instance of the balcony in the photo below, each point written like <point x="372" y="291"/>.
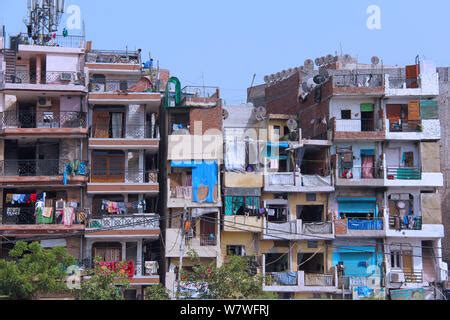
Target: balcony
<point x="43" y="123"/>
<point x="130" y="225"/>
<point x="205" y="246"/>
<point x="200" y="96"/>
<point x="114" y="61"/>
<point x="299" y="282"/>
<point x="47" y="80"/>
<point x="403" y="173"/>
<point x="296" y="182"/>
<point x="402" y="129"/>
<point x="297" y="230"/>
<point x="357" y="84"/>
<point x="61" y="41"/>
<point x="426" y="84"/>
<point x="237" y="223"/>
<point x="42" y="172"/>
<point x="360" y="176"/>
<point x="103" y="180"/>
<point x="412" y="177"/>
<point x="22" y="221"/>
<point x="353" y="129"/>
<point x="412" y="226"/>
<point x="360" y="227"/>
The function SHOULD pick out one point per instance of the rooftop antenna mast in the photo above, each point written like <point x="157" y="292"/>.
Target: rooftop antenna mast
<point x="44" y="17"/>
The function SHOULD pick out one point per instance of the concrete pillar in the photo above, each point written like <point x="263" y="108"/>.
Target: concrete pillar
<point x="141" y="166"/>
<point x="38" y="69"/>
<point x="124" y="250"/>
<point x="139" y="262"/>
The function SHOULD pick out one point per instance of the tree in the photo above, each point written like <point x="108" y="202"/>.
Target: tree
<point x="233" y="280"/>
<point x="158" y="292"/>
<point x="104" y="283"/>
<point x="33" y="270"/>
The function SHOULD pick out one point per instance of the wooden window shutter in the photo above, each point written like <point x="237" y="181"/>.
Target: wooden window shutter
<point x="101" y="124"/>
<point x="412" y="75"/>
<point x="413" y="111"/>
<point x="394" y="111"/>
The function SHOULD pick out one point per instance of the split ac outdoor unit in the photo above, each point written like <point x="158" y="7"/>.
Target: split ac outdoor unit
<point x="397" y="277"/>
<point x="44" y="102"/>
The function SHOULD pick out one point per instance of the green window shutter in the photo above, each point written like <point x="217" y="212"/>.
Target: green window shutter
<point x="429" y="109"/>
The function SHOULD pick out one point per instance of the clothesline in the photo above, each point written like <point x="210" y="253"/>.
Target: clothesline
<point x="114" y="207"/>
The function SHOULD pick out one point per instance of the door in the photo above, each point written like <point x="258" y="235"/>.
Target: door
<point x="27" y="115"/>
<point x="108" y="167"/>
<point x="208" y="230"/>
<point x="100" y="125"/>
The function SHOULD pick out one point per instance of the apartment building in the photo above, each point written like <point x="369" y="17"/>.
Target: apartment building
<point x="43" y="143"/>
<point x="192" y="127"/>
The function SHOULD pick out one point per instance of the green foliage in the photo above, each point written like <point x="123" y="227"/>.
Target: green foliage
<point x="104" y="284"/>
<point x="231" y="281"/>
<point x="33" y="270"/>
<point x="158" y="292"/>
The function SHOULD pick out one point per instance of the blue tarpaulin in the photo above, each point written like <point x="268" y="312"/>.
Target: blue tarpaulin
<point x="204" y="174"/>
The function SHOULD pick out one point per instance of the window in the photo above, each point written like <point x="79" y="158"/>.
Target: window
<point x="346" y="114"/>
<point x="396" y="259"/>
<point x="240" y="206"/>
<point x="276" y="132"/>
<point x="311" y="197"/>
<point x="235" y="250"/>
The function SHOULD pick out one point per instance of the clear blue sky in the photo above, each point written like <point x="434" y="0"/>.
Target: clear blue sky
<point x="225" y="42"/>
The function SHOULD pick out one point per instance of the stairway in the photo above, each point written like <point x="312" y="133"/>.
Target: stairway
<point x="10" y="59"/>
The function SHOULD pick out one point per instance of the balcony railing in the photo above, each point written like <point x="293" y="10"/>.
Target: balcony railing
<point x="405" y="126"/>
<point x="358" y="172"/>
<point x="48" y="78"/>
<point x="404" y="83"/>
<point x="129" y="131"/>
<point x="69" y="41"/>
<point x="404" y="173"/>
<point x="358" y="80"/>
<point x="320" y="280"/>
<point x="199" y="94"/>
<point x="43" y="119"/>
<point x="202" y="240"/>
<point x="44" y="167"/>
<point x="281" y="279"/>
<point x="112" y="85"/>
<point x="355" y="125"/>
<point x="114" y="56"/>
<point x="27" y="216"/>
<point x="135" y="221"/>
<point x="104" y="175"/>
<point x="373" y="224"/>
<point x="317" y="227"/>
<point x="281" y="179"/>
<point x="405" y="223"/>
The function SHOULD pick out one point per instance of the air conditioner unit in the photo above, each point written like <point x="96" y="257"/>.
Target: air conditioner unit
<point x="66" y="76"/>
<point x="397" y="277"/>
<point x="44" y="102"/>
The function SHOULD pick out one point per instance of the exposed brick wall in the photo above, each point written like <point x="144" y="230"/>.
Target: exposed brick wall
<point x="310" y="110"/>
<point x="282" y="97"/>
<point x="211" y="118"/>
<point x="73" y="246"/>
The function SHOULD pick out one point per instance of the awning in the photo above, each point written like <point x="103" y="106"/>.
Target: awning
<point x="367" y="107"/>
<point x="367" y="152"/>
<point x="358" y="205"/>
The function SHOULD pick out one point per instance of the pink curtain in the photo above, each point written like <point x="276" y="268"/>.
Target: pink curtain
<point x="367" y="168"/>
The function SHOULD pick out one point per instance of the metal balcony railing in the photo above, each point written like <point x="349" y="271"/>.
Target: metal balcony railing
<point x="281" y="178"/>
<point x="202" y="240"/>
<point x="105" y="175"/>
<point x="35" y="168"/>
<point x="46" y="77"/>
<point x="320" y="280"/>
<point x="404" y="173"/>
<point x="360" y="172"/>
<point x="69" y="41"/>
<point x="358" y="80"/>
<point x="405" y="223"/>
<point x="27" y="216"/>
<point x="372" y="224"/>
<point x="111" y="85"/>
<point x="317" y="227"/>
<point x="129" y="131"/>
<point x="200" y="94"/>
<point x="43" y="119"/>
<point x="281" y="279"/>
<point x="355" y="125"/>
<point x="114" y="56"/>
<point x="405" y="125"/>
<point x="134" y="221"/>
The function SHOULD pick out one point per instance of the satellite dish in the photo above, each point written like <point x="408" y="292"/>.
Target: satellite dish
<point x="375" y="60"/>
<point x="292" y="124"/>
<point x="266" y="79"/>
<point x="321" y="61"/>
<point x="260" y="113"/>
<point x="225" y="114"/>
<point x="319" y="79"/>
<point x="317" y="61"/>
